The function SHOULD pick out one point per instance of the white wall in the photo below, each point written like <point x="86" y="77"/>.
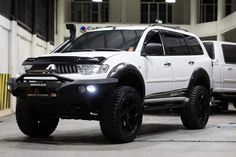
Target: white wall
<point x="4" y="44"/>
<point x="17" y="44"/>
<point x="133" y="15"/>
<point x="205" y="29"/>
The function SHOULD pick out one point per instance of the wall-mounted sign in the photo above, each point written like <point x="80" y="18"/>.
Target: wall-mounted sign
<point x="84" y="29"/>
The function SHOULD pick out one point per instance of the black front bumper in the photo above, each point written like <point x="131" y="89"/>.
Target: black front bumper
<point x="62" y="94"/>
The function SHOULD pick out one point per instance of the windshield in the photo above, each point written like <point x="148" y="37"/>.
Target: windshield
<point x="109" y="40"/>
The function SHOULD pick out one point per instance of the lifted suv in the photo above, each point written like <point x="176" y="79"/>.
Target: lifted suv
<point x="111" y="75"/>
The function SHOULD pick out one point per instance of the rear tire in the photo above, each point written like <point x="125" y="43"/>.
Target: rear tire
<point x="195" y="114"/>
<point x="234" y="103"/>
<point x="31" y="124"/>
<point x="224" y="105"/>
<point x="121" y="115"/>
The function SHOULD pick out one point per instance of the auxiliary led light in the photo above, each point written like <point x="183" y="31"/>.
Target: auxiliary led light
<point x="81" y="89"/>
<point x="8" y="87"/>
<point x="91" y="88"/>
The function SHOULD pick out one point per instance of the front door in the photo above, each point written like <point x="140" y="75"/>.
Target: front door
<point x="159" y="69"/>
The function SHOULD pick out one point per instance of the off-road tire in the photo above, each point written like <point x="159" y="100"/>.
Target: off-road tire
<point x="121" y="115"/>
<point x="234" y="103"/>
<point x="224" y="105"/>
<point x="31" y="124"/>
<point x="195" y="114"/>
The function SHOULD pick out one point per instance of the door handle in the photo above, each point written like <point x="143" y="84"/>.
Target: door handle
<point x="191" y="62"/>
<point x="167" y="64"/>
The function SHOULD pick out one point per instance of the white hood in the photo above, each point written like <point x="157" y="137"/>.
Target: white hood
<point x="105" y="54"/>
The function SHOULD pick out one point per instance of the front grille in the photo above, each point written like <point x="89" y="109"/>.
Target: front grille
<point x="39" y="67"/>
<point x="60" y="69"/>
<point x="66" y="69"/>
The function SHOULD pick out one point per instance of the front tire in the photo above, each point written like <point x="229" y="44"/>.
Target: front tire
<point x="121" y="115"/>
<point x="195" y="114"/>
<point x="31" y="123"/>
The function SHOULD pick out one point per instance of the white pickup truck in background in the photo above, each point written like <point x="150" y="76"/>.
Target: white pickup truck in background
<point x="223" y="55"/>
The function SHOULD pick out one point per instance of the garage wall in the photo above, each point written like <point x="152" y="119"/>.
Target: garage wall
<point x="16" y="44"/>
<point x="4" y="62"/>
<point x="4" y="43"/>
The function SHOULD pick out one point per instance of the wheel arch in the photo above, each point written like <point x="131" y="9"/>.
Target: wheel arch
<point x="129" y="75"/>
<point x="199" y="77"/>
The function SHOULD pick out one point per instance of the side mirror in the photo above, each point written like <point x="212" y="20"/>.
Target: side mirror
<point x="72" y="29"/>
<point x="153" y="49"/>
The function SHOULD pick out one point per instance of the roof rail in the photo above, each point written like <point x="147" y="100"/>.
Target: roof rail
<point x="114" y="27"/>
<point x="173" y="27"/>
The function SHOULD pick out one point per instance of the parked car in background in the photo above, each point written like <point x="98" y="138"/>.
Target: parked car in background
<point x="223" y="55"/>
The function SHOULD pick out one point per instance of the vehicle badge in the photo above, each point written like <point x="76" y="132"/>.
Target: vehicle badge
<point x="51" y="67"/>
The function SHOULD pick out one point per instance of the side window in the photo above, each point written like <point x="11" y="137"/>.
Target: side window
<point x="174" y="44"/>
<point x="153" y="37"/>
<point x="229" y="53"/>
<point x="210" y="49"/>
<point x="194" y="45"/>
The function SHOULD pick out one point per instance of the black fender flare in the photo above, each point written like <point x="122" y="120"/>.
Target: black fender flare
<point x="123" y="69"/>
<point x="201" y="75"/>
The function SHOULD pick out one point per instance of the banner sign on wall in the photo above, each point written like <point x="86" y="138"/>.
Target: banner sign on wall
<point x="84" y="29"/>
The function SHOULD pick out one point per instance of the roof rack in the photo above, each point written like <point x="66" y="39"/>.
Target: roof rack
<point x="173" y="27"/>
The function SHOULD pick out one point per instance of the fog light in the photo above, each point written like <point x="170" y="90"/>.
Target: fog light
<point x="81" y="89"/>
<point x="91" y="88"/>
<point x="8" y="87"/>
<point x="53" y="94"/>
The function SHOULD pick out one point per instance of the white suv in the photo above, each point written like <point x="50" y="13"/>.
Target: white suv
<point x="111" y="75"/>
<point x="223" y="55"/>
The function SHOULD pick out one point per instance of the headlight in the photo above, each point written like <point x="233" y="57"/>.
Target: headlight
<point x="25" y="68"/>
<point x="86" y="69"/>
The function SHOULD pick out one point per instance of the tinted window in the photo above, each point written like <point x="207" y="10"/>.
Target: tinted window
<point x="24" y="13"/>
<point x="174" y="44"/>
<point x="154" y="37"/>
<point x="88" y="11"/>
<point x="229" y="53"/>
<point x="110" y="39"/>
<point x="194" y="45"/>
<point x="5" y="8"/>
<point x="41" y="27"/>
<point x="210" y="49"/>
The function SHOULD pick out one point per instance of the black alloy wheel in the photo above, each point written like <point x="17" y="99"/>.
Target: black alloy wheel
<point x="31" y="123"/>
<point x="195" y="114"/>
<point x="121" y="115"/>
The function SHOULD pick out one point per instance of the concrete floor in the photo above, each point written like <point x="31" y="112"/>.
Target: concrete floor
<point x="160" y="136"/>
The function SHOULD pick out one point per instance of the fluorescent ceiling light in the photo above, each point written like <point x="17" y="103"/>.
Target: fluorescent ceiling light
<point x="97" y="0"/>
<point x="170" y="1"/>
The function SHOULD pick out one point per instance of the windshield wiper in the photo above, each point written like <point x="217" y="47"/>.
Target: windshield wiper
<point x="107" y="49"/>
